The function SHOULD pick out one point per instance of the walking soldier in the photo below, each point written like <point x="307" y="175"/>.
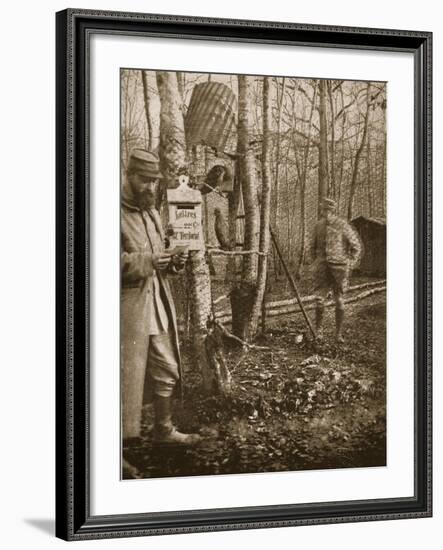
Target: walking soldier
<point x="337" y="251"/>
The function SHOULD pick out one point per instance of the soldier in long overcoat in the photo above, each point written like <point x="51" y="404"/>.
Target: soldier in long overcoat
<point x="150" y="352"/>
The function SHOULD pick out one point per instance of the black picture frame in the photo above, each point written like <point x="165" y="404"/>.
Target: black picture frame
<point x="74" y="28"/>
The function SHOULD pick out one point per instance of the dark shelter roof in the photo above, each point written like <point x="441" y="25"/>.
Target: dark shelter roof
<point x="377" y="221"/>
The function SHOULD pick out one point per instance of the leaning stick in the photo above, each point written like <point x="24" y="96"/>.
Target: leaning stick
<point x="292" y="283"/>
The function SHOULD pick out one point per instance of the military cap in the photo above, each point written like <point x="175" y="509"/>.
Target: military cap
<point x="145" y="163"/>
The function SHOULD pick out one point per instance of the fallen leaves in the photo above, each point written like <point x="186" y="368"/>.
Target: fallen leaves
<point x="299" y="406"/>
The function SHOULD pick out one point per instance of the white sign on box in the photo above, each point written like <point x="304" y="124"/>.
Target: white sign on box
<point x="185" y="216"/>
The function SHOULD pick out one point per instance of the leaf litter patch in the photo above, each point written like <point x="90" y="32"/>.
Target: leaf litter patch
<point x="299" y="406"/>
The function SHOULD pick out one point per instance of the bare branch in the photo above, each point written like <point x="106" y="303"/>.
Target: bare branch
<point x="231" y="336"/>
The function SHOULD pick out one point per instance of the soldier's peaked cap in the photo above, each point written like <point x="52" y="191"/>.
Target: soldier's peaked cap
<point x="145" y="163"/>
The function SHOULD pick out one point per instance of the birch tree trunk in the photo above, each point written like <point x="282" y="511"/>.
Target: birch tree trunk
<point x="181" y="80"/>
<point x="151" y="109"/>
<point x="354" y="179"/>
<point x="333" y="190"/>
<point x="233" y="203"/>
<point x="146" y="100"/>
<point x="173" y="155"/>
<point x="342" y="152"/>
<point x="276" y="210"/>
<point x="303" y="176"/>
<point x="174" y="161"/>
<point x="280" y="100"/>
<point x="369" y="182"/>
<point x="265" y="211"/>
<point x="322" y="147"/>
<point x="243" y="295"/>
<point x="384" y="174"/>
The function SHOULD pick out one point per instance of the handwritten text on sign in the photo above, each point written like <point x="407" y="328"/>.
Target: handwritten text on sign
<point x="185" y="215"/>
<point x="187" y="225"/>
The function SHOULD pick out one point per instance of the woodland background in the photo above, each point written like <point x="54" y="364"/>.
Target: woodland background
<point x="264" y="151"/>
<point x="29" y="514"/>
<point x="327" y="137"/>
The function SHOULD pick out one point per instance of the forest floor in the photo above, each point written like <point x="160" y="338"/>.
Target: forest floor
<point x="298" y="406"/>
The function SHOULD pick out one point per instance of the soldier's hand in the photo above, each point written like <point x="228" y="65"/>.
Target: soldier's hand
<point x="179" y="260"/>
<point x="161" y="261"/>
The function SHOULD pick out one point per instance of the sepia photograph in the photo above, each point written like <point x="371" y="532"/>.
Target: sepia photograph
<point x="252" y="273"/>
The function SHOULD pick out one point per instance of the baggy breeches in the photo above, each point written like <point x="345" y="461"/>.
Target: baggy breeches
<point x="157" y="361"/>
<point x="162" y="364"/>
<point x="328" y="276"/>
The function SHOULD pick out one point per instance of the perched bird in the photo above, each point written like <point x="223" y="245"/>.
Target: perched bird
<point x="221" y="230"/>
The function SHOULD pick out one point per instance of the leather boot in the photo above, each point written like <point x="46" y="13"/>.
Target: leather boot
<point x="319" y="315"/>
<point x="339" y="318"/>
<point x="164" y="431"/>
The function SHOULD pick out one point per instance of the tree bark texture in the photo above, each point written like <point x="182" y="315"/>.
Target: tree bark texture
<point x="333" y="190"/>
<point x="303" y="182"/>
<point x="152" y="141"/>
<point x="233" y="204"/>
<point x="173" y="158"/>
<point x="198" y="282"/>
<point x="280" y="99"/>
<point x="265" y="212"/>
<point x="354" y="179"/>
<point x="342" y="152"/>
<point x="243" y="295"/>
<point x="323" y="183"/>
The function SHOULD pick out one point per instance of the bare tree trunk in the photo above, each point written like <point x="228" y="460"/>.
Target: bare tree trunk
<point x="277" y="155"/>
<point x="301" y="188"/>
<point x="173" y="158"/>
<point x="125" y="116"/>
<point x="173" y="155"/>
<point x="242" y="296"/>
<point x="265" y="211"/>
<point x="323" y="147"/>
<point x="276" y="187"/>
<point x="369" y="183"/>
<point x="181" y="86"/>
<point x="351" y="171"/>
<point x="332" y="146"/>
<point x="151" y="109"/>
<point x="342" y="152"/>
<point x="248" y="180"/>
<point x="198" y="283"/>
<point x="304" y="175"/>
<point x="289" y="206"/>
<point x="147" y="111"/>
<point x="233" y="202"/>
<point x="354" y="179"/>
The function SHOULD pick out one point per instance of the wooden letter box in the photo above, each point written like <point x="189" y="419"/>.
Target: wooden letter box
<point x="185" y="215"/>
